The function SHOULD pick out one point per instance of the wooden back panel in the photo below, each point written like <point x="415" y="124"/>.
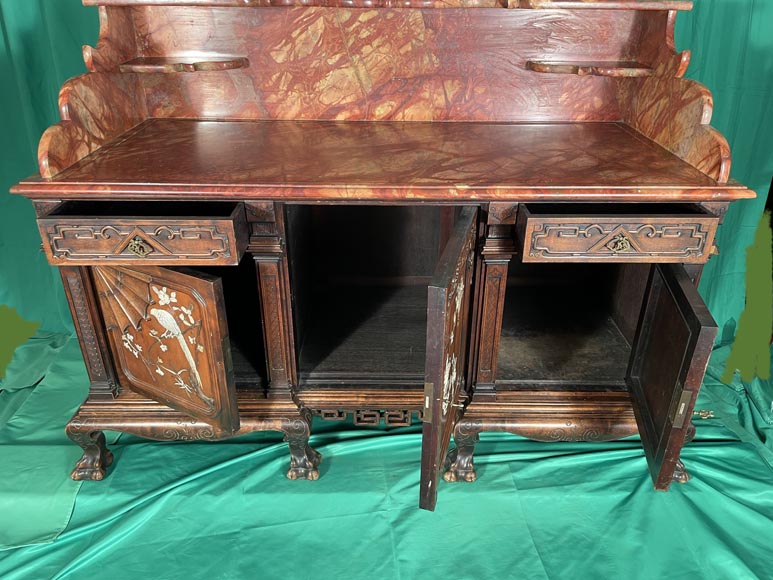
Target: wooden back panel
<point x="397" y="64"/>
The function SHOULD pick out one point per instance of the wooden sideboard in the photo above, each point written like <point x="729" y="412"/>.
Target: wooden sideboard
<point x="485" y="215"/>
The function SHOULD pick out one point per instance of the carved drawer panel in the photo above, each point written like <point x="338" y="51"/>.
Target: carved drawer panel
<point x="131" y="233"/>
<point x="616" y="233"/>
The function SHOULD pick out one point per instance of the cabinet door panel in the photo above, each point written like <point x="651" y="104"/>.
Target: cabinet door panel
<point x="669" y="357"/>
<point x="170" y="339"/>
<point x="448" y="314"/>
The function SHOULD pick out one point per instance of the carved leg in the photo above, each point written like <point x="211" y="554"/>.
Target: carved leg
<point x="96" y="456"/>
<point x="690" y="435"/>
<point x="303" y="458"/>
<point x="681" y="475"/>
<point x="460" y="459"/>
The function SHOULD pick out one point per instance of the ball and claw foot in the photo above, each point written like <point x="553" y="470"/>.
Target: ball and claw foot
<point x="304" y="465"/>
<point x="92" y="466"/>
<point x="681" y="475"/>
<point x="304" y="459"/>
<point x="460" y="467"/>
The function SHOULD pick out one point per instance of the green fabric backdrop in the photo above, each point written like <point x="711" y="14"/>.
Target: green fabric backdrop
<point x="226" y="511"/>
<point x="40" y="50"/>
<point x="732" y="53"/>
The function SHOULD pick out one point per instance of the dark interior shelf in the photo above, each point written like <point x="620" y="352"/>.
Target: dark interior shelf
<point x="170" y="65"/>
<point x="247" y="373"/>
<point x="365" y="334"/>
<point x="555" y="337"/>
<point x="598" y="69"/>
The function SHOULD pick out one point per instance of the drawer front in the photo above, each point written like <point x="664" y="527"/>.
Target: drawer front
<point x="685" y="238"/>
<point x="88" y="240"/>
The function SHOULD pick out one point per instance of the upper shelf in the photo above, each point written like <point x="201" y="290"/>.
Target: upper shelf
<point x="179" y="65"/>
<point x="393" y="160"/>
<point x="531" y="4"/>
<point x="598" y="69"/>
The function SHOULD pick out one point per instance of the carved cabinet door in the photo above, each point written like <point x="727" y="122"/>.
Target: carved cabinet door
<point x="169" y="337"/>
<point x="448" y="313"/>
<point x="670" y="352"/>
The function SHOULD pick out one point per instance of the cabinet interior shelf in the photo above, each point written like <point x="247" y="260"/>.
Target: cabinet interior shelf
<point x="169" y="65"/>
<point x="598" y="69"/>
<point x="553" y="338"/>
<point x="360" y="328"/>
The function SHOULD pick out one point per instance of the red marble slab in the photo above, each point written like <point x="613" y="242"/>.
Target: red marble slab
<point x="330" y="159"/>
<point x="390" y="64"/>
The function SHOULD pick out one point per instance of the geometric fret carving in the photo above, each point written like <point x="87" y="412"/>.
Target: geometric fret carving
<point x="593" y="233"/>
<point x="371" y="417"/>
<point x="102" y="234"/>
<point x="640" y="241"/>
<point x="79" y="243"/>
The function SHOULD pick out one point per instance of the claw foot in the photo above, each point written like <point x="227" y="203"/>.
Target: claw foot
<point x="681" y="475"/>
<point x="304" y="459"/>
<point x="461" y="467"/>
<point x="304" y="466"/>
<point x="92" y="466"/>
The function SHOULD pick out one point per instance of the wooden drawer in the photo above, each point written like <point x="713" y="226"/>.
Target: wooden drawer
<point x="615" y="233"/>
<point x="81" y="233"/>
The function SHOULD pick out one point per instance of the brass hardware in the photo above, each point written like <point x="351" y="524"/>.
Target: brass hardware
<point x="681" y="410"/>
<point x="619" y="244"/>
<point x="704" y="414"/>
<point x="139" y="247"/>
<point x="428" y="392"/>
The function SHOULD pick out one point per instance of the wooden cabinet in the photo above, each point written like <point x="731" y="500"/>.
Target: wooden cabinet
<point x="486" y="219"/>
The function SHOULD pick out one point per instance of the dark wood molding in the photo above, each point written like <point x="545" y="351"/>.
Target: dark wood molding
<point x="268" y="249"/>
<point x="498" y="249"/>
<point x="81" y="296"/>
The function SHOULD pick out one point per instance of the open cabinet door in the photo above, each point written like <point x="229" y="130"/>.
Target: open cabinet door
<point x="448" y="313"/>
<point x="170" y="339"/>
<point x="669" y="357"/>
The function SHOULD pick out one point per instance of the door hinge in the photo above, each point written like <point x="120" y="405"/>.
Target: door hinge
<point x="428" y="392"/>
<point x="681" y="409"/>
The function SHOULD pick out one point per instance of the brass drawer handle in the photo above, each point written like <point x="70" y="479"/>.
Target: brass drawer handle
<point x="620" y="244"/>
<point x="139" y="247"/>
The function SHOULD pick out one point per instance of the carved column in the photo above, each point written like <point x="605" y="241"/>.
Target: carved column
<point x="82" y="300"/>
<point x="267" y="245"/>
<point x="498" y="249"/>
<point x="88" y="322"/>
